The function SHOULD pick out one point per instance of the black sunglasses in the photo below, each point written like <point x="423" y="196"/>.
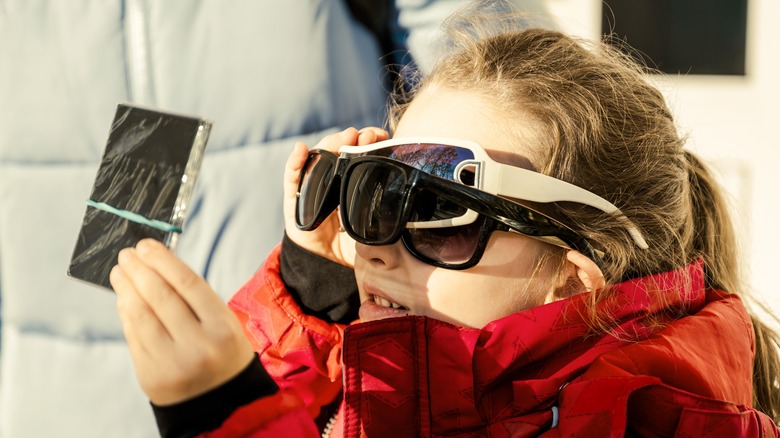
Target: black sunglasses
<point x="380" y="197"/>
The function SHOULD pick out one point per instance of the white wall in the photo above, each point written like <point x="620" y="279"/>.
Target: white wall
<point x="732" y="123"/>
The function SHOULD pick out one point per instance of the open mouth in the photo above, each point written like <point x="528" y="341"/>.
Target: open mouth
<point x="386" y="303"/>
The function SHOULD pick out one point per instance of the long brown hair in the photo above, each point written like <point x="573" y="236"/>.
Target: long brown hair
<point x="611" y="132"/>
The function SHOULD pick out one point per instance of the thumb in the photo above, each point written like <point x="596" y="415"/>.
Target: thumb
<point x="292" y="171"/>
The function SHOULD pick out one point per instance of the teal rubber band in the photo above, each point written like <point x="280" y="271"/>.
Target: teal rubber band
<point x="135" y="217"/>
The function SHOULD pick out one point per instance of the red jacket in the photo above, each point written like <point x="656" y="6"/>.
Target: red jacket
<point x="535" y="373"/>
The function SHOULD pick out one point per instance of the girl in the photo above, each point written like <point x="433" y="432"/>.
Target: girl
<point x="534" y="253"/>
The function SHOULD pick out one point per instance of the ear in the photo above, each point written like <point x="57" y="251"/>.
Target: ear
<point x="581" y="275"/>
<point x="588" y="272"/>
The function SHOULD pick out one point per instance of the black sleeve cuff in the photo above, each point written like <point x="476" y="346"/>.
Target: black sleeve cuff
<point x="321" y="287"/>
<point x="207" y="411"/>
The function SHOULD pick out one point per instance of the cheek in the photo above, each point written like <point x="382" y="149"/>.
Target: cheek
<point x="512" y="256"/>
<point x="360" y="274"/>
<point x="507" y="280"/>
<point x="472" y="299"/>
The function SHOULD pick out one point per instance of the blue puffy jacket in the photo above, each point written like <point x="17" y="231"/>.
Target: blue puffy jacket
<point x="267" y="72"/>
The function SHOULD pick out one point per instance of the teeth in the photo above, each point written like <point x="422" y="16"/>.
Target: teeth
<point x="386" y="303"/>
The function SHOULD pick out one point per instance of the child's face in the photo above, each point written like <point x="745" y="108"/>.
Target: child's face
<point x="496" y="287"/>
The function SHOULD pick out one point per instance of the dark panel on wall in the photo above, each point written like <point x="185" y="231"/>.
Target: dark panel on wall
<point x="682" y="36"/>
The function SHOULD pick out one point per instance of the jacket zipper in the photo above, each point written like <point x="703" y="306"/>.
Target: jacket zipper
<point x="329" y="426"/>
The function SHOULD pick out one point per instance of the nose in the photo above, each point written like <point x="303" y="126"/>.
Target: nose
<point x="381" y="256"/>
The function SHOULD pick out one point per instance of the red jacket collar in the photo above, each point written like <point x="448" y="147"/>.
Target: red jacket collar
<point x="510" y="371"/>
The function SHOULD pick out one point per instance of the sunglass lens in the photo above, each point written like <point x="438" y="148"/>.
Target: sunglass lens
<point x="373" y="201"/>
<point x="452" y="245"/>
<point x="428" y="207"/>
<point x="315" y="181"/>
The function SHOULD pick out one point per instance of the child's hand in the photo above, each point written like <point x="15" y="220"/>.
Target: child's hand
<point x="325" y="241"/>
<point x="183" y="339"/>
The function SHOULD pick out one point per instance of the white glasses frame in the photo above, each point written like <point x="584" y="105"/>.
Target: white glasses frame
<point x="505" y="180"/>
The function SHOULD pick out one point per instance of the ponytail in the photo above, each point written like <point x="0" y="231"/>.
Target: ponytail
<point x="714" y="241"/>
<point x="711" y="232"/>
<point x="766" y="368"/>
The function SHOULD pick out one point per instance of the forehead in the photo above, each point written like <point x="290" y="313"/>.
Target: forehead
<point x="441" y="112"/>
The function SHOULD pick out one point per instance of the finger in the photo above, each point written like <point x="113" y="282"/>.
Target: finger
<point x="292" y="170"/>
<point x="333" y="142"/>
<point x="192" y="289"/>
<point x="371" y="134"/>
<point x="143" y="331"/>
<point x="295" y="162"/>
<point x="171" y="309"/>
<point x="292" y="174"/>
